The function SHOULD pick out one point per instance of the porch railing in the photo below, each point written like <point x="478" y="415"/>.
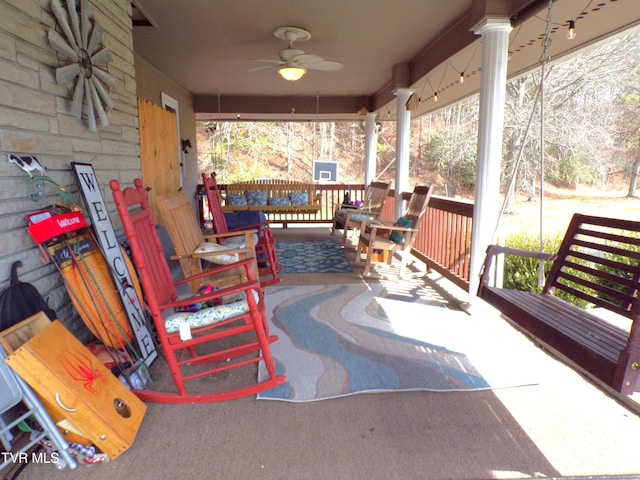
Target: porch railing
<point x="444" y="240"/>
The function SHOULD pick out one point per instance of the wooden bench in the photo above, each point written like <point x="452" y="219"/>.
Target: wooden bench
<point x="278" y="196"/>
<point x="598" y="262"/>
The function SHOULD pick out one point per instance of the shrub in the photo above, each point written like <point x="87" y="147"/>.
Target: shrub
<point x="521" y="273"/>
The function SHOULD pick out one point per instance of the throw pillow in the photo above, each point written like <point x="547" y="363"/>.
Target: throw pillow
<point x="236" y="200"/>
<point x="279" y="201"/>
<point x="218" y="254"/>
<point x="300" y="198"/>
<point x="398" y="237"/>
<point x="256" y="197"/>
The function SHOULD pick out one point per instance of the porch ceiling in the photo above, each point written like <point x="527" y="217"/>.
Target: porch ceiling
<point x="210" y="47"/>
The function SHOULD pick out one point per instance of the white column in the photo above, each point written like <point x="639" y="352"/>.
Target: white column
<point x="371" y="150"/>
<point x="402" y="148"/>
<point x="495" y="45"/>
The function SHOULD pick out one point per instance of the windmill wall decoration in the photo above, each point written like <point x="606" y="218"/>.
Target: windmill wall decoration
<point x="81" y="47"/>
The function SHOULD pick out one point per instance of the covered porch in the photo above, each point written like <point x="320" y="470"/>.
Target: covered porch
<point x="559" y="426"/>
<point x="563" y="425"/>
<point x="444" y="241"/>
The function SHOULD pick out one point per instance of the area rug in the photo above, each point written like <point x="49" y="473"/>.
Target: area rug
<point x="341" y="340"/>
<point x="312" y="257"/>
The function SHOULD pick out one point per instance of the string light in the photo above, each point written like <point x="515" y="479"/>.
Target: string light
<point x="435" y="93"/>
<point x="461" y="77"/>
<point x="571" y="33"/>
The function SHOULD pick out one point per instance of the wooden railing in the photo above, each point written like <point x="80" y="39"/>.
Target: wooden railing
<point x="444" y="241"/>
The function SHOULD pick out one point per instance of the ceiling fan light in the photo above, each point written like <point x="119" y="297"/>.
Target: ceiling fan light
<point x="292" y="72"/>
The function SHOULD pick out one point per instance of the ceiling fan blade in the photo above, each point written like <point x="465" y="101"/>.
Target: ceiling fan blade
<point x="325" y="65"/>
<point x="307" y="59"/>
<point x="263" y="67"/>
<point x="268" y="60"/>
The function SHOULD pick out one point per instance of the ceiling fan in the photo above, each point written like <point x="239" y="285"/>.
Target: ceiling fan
<point x="294" y="63"/>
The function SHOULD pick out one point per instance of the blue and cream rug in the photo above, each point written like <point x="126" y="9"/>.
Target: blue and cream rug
<point x="344" y="339"/>
<point x="312" y="257"/>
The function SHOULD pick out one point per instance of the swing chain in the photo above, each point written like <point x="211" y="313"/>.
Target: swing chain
<point x="544" y="57"/>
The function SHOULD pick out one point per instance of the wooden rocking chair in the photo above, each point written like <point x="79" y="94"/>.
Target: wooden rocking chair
<point x="193" y="248"/>
<point x="266" y="244"/>
<point x="179" y="333"/>
<point x="347" y="218"/>
<point x="386" y="237"/>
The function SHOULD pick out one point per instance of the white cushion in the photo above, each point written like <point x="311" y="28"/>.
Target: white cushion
<point x="239" y="241"/>
<point x="219" y="254"/>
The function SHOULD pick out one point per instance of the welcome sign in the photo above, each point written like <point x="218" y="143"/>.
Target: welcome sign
<point x="92" y="195"/>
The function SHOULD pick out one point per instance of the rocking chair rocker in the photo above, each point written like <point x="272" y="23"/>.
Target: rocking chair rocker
<point x="180" y="333"/>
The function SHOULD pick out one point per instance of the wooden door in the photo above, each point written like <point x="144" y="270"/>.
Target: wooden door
<point x="158" y="153"/>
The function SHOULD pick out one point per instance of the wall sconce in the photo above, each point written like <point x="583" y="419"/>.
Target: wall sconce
<point x="292" y="72"/>
<point x="185" y="145"/>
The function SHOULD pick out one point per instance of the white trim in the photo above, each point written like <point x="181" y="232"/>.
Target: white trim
<point x="171" y="104"/>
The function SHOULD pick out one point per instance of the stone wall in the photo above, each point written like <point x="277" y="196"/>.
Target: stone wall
<point x="35" y="120"/>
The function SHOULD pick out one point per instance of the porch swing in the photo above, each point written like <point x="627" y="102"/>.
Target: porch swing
<point x="598" y="264"/>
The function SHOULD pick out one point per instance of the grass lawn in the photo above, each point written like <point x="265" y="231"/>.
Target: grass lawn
<point x="560" y="205"/>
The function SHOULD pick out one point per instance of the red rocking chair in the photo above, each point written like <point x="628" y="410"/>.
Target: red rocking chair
<point x="238" y="310"/>
<point x="265" y="245"/>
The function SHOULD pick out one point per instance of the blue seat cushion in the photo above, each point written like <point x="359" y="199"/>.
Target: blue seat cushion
<point x="237" y="220"/>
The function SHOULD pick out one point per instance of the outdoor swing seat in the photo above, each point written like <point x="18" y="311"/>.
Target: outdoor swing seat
<point x="598" y="262"/>
<point x="203" y="343"/>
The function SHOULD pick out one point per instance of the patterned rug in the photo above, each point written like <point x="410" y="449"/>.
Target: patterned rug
<point x="312" y="257"/>
<point x="344" y="339"/>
